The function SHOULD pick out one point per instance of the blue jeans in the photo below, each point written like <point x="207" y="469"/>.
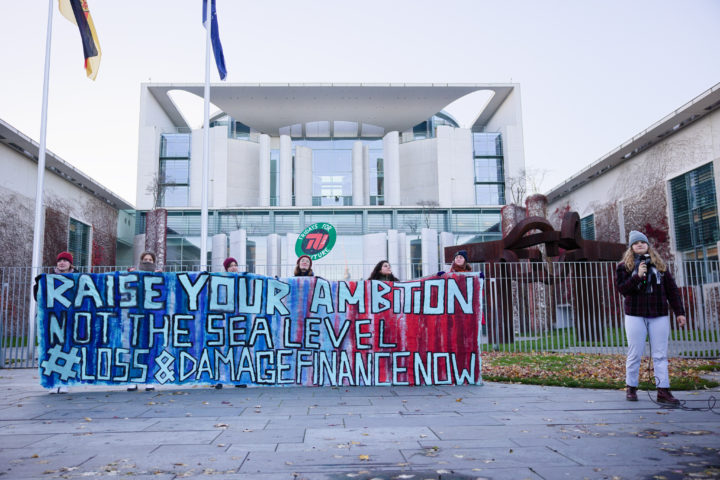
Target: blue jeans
<point x="636" y="329"/>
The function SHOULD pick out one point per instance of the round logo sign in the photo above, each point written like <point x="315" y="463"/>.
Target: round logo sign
<point x="316" y="241"/>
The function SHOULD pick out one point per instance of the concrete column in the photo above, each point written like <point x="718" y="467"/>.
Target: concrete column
<point x="391" y="156"/>
<point x="264" y="172"/>
<point x="303" y="176"/>
<point x="358" y="184"/>
<point x="366" y="175"/>
<point x="288" y="254"/>
<point x="374" y="250"/>
<point x="285" y="172"/>
<point x="429" y="247"/>
<point x="393" y="253"/>
<point x="402" y="257"/>
<point x="219" y="252"/>
<point x="238" y="248"/>
<point x="511" y="215"/>
<point x="447" y="239"/>
<point x="273" y="255"/>
<point x="138" y="248"/>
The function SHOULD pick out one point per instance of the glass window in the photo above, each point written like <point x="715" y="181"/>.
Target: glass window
<point x="174" y="171"/>
<point x="175" y="196"/>
<point x="489" y="194"/>
<point x="694" y="205"/>
<point x="488" y="169"/>
<point x="317" y="129"/>
<point x="79" y="243"/>
<point x="487" y="144"/>
<point x="345" y="129"/>
<point x="175" y="145"/>
<point x="587" y="227"/>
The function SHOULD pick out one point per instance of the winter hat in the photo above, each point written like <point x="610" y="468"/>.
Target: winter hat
<point x="304" y="256"/>
<point x="636" y="236"/>
<point x="462" y="253"/>
<point x="65" y="255"/>
<point x="229" y="261"/>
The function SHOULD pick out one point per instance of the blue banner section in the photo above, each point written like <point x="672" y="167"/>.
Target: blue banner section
<point x="201" y="328"/>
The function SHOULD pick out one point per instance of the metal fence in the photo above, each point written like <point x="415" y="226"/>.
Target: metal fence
<point x="527" y="307"/>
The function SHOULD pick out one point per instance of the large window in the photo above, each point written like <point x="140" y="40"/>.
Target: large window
<point x="694" y="206"/>
<point x="173" y="183"/>
<point x="79" y="243"/>
<point x="489" y="172"/>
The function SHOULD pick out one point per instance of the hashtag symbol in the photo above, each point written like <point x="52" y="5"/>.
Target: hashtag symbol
<point x="164" y="374"/>
<point x="61" y="363"/>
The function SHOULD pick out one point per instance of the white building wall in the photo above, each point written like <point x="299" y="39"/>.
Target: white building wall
<point x="243" y="178"/>
<point x="508" y="121"/>
<point x="303" y="176"/>
<point x="429" y="251"/>
<point x="455" y="169"/>
<point x="264" y="170"/>
<point x="153" y="121"/>
<point x="392" y="167"/>
<point x="285" y="172"/>
<point x="446" y="239"/>
<point x="219" y="252"/>
<point x="238" y="247"/>
<point x="418" y="167"/>
<point x="374" y="250"/>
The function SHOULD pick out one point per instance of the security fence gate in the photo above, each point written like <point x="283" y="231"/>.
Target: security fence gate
<point x="527" y="307"/>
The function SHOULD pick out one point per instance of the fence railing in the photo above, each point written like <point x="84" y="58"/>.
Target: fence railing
<point x="527" y="307"/>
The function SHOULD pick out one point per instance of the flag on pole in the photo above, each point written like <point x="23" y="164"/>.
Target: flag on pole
<point x="215" y="39"/>
<point x="77" y="12"/>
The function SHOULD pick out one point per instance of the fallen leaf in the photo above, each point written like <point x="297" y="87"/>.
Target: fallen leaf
<point x="364" y="458"/>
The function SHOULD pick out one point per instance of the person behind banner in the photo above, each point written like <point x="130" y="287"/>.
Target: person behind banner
<point x="147" y="264"/>
<point x="648" y="287"/>
<point x="303" y="267"/>
<point x="63" y="264"/>
<point x="460" y="263"/>
<point x="230" y="265"/>
<point x="383" y="271"/>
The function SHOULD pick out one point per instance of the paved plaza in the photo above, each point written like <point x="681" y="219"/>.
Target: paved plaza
<point x="494" y="431"/>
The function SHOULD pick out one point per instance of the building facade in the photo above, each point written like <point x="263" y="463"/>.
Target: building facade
<point x="662" y="181"/>
<point x="389" y="166"/>
<point x="79" y="214"/>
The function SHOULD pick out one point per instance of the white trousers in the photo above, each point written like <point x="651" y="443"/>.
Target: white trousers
<point x="636" y="329"/>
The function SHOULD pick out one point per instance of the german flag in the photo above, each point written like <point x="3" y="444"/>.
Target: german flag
<point x="77" y="12"/>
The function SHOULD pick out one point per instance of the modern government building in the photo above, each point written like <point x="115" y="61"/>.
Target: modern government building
<point x="391" y="166"/>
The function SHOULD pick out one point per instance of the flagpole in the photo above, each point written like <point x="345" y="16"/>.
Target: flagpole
<point x="206" y="145"/>
<point x="37" y="228"/>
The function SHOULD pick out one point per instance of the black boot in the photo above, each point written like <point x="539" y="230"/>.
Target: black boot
<point x="664" y="396"/>
<point x="631" y="394"/>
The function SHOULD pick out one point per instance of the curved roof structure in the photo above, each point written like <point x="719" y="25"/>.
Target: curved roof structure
<point x="269" y="107"/>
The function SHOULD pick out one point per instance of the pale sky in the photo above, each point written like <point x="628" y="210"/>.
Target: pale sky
<point x="592" y="73"/>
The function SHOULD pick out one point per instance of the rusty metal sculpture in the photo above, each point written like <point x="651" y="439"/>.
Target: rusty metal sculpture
<point x="522" y="243"/>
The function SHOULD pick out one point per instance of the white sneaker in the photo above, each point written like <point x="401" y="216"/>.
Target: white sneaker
<point x="132" y="388"/>
<point x="61" y="389"/>
<point x="149" y="388"/>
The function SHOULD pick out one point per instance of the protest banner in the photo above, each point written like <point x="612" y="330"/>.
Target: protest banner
<point x="207" y="328"/>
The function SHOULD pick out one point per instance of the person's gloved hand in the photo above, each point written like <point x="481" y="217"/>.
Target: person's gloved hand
<point x="440" y="273"/>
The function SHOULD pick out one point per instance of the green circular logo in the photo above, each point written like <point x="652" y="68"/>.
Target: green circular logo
<point x="316" y="241"/>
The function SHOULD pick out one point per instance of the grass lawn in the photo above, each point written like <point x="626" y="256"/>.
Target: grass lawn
<point x="589" y="370"/>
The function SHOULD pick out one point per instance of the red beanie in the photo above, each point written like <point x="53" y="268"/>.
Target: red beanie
<point x="66" y="255"/>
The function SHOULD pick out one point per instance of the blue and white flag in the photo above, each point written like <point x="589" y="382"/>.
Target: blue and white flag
<point x="215" y="38"/>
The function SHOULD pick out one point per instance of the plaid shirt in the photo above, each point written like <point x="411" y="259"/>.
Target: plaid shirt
<point x="640" y="303"/>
